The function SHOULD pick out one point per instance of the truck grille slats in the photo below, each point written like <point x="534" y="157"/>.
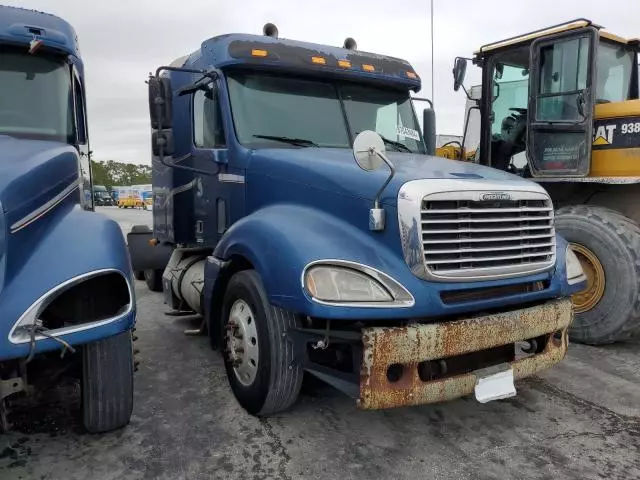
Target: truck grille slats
<point x="465" y="237"/>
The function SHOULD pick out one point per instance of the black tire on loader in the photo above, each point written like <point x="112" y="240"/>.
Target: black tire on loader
<point x="107" y="383"/>
<point x="278" y="376"/>
<point x="607" y="244"/>
<point x="153" y="278"/>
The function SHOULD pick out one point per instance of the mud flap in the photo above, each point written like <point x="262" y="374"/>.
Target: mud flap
<point x="144" y="255"/>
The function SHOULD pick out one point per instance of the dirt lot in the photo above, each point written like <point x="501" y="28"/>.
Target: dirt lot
<point x="580" y="420"/>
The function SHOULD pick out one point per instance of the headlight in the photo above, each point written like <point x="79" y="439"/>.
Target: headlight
<point x="575" y="274"/>
<point x="338" y="284"/>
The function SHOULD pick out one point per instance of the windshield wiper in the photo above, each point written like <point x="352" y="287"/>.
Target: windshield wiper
<point x="401" y="147"/>
<point x="300" y="142"/>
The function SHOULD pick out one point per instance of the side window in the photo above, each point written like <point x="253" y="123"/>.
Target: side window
<point x="207" y="120"/>
<point x="81" y="124"/>
<point x="563" y="74"/>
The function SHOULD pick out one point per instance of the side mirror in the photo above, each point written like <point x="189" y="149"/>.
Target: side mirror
<point x="369" y="152"/>
<point x="429" y="130"/>
<point x="160" y="102"/>
<point x="367" y="147"/>
<point x="459" y="72"/>
<point x="164" y="138"/>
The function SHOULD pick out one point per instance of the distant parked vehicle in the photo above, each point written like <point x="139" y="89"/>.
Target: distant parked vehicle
<point x="101" y="197"/>
<point x="130" y="202"/>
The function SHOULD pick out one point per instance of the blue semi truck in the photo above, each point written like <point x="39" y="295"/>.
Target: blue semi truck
<point x="66" y="285"/>
<point x="298" y="209"/>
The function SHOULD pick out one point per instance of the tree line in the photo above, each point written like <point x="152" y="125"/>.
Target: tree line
<point x="111" y="172"/>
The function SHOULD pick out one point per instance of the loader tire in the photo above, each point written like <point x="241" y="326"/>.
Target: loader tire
<point x="274" y="383"/>
<point x="107" y="383"/>
<point x="608" y="246"/>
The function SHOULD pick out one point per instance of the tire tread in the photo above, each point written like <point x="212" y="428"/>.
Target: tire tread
<point x="629" y="232"/>
<point x="107" y="383"/>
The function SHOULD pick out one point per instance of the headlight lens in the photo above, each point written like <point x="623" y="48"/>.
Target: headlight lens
<point x="337" y="284"/>
<point x="575" y="274"/>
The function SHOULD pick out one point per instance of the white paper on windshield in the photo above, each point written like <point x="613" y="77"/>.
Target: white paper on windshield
<point x="407" y="132"/>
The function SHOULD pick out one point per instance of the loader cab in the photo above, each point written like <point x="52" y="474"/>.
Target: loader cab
<point x="539" y="93"/>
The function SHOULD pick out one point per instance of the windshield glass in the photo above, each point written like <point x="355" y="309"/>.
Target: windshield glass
<point x="37" y="97"/>
<point x="614" y="64"/>
<point x="308" y="112"/>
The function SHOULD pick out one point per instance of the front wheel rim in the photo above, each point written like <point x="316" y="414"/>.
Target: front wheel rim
<point x="588" y="298"/>
<point x="242" y="342"/>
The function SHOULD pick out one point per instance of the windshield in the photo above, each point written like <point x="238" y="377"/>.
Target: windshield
<point x="614" y="66"/>
<point x="277" y="111"/>
<point x="37" y="97"/>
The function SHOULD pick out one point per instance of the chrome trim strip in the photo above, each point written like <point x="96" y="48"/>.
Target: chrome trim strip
<point x="410" y="199"/>
<point x="395" y="288"/>
<point x="32" y="313"/>
<point x="230" y="178"/>
<point x="45" y="208"/>
<point x="607" y="180"/>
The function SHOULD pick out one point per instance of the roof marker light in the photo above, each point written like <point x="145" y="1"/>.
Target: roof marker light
<point x="259" y="53"/>
<point x="319" y="60"/>
<point x="412" y="75"/>
<point x="368" y="68"/>
<point x="344" y="63"/>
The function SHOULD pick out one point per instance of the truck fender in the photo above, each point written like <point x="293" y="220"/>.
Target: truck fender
<point x="73" y="245"/>
<point x="279" y="241"/>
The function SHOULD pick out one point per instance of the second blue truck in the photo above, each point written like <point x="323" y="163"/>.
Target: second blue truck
<point x="297" y="208"/>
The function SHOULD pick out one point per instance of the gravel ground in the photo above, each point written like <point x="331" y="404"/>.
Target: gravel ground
<point x="580" y="420"/>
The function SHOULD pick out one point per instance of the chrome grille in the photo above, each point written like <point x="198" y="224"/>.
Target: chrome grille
<point x="477" y="238"/>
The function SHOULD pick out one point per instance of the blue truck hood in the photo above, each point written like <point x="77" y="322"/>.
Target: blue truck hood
<point x="335" y="170"/>
<point x="32" y="173"/>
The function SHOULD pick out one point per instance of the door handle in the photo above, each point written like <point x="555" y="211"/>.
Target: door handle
<point x="580" y="103"/>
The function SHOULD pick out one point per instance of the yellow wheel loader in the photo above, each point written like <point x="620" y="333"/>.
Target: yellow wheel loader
<point x="560" y="105"/>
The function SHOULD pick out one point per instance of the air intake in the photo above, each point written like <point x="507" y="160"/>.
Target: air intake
<point x="350" y="44"/>
<point x="270" y="30"/>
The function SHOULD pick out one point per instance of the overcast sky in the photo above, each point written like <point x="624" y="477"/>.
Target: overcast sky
<point x="122" y="40"/>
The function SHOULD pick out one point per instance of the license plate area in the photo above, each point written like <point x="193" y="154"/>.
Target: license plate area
<point x="494" y="383"/>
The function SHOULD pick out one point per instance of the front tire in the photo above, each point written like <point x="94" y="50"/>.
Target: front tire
<point x="107" y="383"/>
<point x="259" y="359"/>
<point x="608" y="246"/>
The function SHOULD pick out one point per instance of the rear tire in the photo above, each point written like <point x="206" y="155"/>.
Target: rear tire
<point x="153" y="278"/>
<point x="107" y="383"/>
<point x="615" y="241"/>
<point x="278" y="376"/>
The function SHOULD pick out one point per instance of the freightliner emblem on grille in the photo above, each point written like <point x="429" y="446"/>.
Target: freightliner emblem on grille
<point x="495" y="196"/>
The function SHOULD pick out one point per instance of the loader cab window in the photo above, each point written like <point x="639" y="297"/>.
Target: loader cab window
<point x="207" y="120"/>
<point x="614" y="66"/>
<point x="508" y="118"/>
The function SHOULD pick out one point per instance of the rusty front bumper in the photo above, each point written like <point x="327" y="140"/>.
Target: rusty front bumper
<point x="410" y="345"/>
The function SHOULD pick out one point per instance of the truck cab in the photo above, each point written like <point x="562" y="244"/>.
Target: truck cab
<point x="67" y="302"/>
<point x="306" y="223"/>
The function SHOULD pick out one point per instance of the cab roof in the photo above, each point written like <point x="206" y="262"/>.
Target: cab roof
<point x="19" y="26"/>
<point x="562" y="27"/>
<point x="257" y="51"/>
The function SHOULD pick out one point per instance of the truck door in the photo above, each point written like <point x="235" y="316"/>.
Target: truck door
<point x="560" y="113"/>
<point x="213" y="194"/>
